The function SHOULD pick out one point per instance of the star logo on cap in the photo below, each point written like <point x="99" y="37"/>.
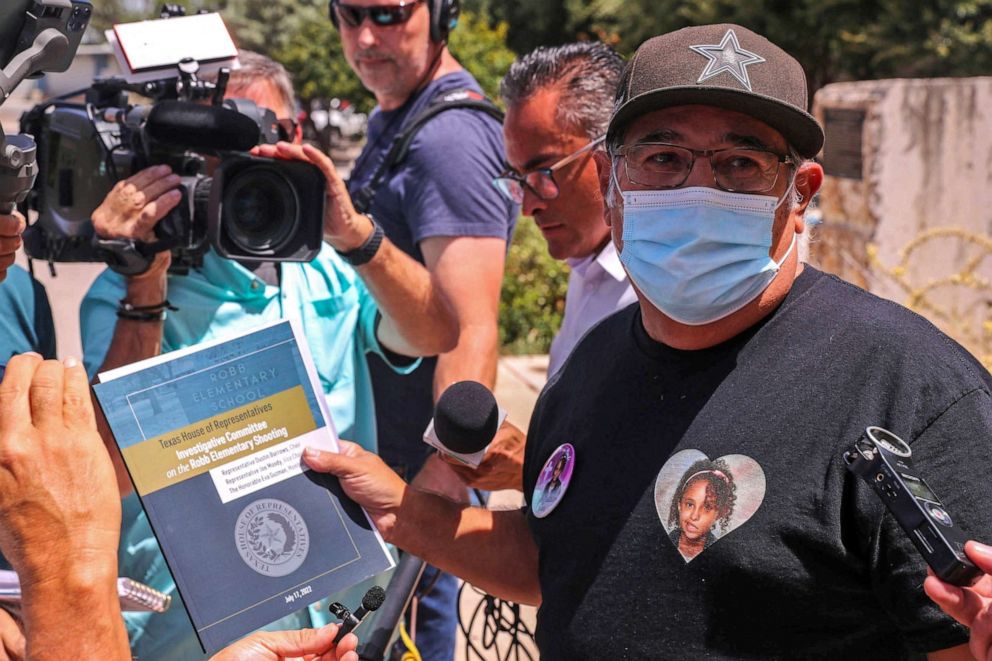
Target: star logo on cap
<point x="727" y="56"/>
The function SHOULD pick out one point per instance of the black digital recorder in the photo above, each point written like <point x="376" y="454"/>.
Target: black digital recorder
<point x="883" y="460"/>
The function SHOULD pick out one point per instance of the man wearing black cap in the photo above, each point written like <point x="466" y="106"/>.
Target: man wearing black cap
<point x="738" y="352"/>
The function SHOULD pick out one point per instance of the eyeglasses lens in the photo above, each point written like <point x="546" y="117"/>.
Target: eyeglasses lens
<point x="668" y="166"/>
<point x="510" y="188"/>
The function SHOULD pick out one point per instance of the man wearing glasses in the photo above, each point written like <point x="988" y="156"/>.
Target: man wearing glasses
<point x="558" y="103"/>
<point x="439" y="206"/>
<point x="737" y="352"/>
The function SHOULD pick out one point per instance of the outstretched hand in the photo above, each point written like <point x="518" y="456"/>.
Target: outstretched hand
<point x="57" y="485"/>
<point x="309" y="644"/>
<point x="971" y="606"/>
<point x="365" y="478"/>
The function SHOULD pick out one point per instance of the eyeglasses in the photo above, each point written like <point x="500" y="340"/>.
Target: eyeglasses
<point x="736" y="169"/>
<point x="286" y="128"/>
<point x="541" y="181"/>
<point x="381" y="15"/>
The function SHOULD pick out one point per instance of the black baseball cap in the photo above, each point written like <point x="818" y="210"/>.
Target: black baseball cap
<point x="727" y="66"/>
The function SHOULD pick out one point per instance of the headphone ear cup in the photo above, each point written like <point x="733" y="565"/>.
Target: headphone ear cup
<point x="444" y="17"/>
<point x="454" y="11"/>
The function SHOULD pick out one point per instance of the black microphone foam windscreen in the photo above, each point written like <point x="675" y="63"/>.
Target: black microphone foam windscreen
<point x="466" y="417"/>
<point x="373" y="598"/>
<point x="193" y="126"/>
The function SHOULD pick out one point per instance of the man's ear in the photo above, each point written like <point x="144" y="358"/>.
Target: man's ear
<point x="809" y="178"/>
<point x="603" y="167"/>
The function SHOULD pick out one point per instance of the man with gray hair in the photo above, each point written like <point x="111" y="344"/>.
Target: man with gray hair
<point x="741" y="366"/>
<point x="558" y="103"/>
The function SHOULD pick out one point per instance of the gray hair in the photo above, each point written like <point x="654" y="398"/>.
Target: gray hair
<point x="793" y="198"/>
<point x="586" y="72"/>
<point x="256" y="68"/>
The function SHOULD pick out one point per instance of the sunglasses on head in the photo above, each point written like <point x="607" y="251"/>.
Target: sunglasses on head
<point x="381" y="15"/>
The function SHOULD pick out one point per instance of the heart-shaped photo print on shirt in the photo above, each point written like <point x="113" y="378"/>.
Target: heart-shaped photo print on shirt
<point x="700" y="500"/>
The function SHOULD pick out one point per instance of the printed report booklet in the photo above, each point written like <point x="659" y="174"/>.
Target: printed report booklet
<point x="213" y="437"/>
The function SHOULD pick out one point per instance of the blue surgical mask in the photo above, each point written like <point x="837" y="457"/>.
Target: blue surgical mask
<point x="699" y="254"/>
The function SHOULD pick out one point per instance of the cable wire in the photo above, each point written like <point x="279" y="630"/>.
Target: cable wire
<point x="495" y="617"/>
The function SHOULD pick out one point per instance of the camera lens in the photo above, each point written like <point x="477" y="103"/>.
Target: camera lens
<point x="260" y="210"/>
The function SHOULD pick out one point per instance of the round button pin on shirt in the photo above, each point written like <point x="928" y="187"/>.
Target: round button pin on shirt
<point x="552" y="482"/>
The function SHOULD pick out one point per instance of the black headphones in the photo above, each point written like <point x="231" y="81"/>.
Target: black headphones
<point x="444" y="17"/>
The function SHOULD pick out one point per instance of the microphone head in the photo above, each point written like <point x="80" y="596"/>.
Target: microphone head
<point x="373" y="598"/>
<point x="192" y="126"/>
<point x="466" y="417"/>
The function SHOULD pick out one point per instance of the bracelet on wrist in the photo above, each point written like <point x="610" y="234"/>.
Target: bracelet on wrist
<point x="154" y="312"/>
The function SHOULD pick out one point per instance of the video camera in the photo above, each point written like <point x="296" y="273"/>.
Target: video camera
<point x="247" y="209"/>
<point x="35" y="37"/>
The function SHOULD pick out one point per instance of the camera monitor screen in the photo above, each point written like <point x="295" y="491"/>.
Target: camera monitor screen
<point x="155" y="47"/>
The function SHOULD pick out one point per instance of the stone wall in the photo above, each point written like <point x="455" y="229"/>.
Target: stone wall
<point x="907" y="202"/>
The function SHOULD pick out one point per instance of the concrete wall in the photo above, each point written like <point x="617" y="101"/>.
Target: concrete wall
<point x="916" y="226"/>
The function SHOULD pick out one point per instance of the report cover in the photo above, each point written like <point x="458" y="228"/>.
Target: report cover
<point x="213" y="437"/>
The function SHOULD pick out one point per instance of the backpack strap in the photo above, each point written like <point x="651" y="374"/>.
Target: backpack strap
<point x="399" y="149"/>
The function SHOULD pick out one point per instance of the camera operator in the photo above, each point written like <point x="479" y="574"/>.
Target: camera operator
<point x="391" y="310"/>
<point x="704" y="508"/>
<point x="59" y="525"/>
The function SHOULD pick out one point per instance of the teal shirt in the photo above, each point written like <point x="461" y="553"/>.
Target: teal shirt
<point x="26" y="323"/>
<point x="338" y="316"/>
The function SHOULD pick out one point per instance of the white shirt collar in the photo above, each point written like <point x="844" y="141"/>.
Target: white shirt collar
<point x="607" y="260"/>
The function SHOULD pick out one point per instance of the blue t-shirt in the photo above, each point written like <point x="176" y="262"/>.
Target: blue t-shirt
<point x="338" y="315"/>
<point x="26" y="319"/>
<point x="443" y="188"/>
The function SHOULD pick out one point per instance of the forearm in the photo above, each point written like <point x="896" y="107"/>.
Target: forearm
<point x="75" y="615"/>
<point x="132" y="341"/>
<point x="492" y="550"/>
<point x="417" y="319"/>
<point x="473" y="358"/>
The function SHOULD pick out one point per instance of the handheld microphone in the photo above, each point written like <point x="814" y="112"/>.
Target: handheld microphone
<point x="370" y="602"/>
<point x="465" y="421"/>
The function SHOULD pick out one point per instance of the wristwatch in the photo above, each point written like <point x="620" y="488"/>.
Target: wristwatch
<point x="367" y="250"/>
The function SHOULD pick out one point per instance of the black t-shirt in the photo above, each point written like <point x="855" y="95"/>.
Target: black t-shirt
<point x="800" y="559"/>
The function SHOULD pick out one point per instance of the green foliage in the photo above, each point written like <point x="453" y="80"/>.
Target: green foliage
<point x="481" y="48"/>
<point x="833" y="39"/>
<point x="533" y="297"/>
<point x="108" y="12"/>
